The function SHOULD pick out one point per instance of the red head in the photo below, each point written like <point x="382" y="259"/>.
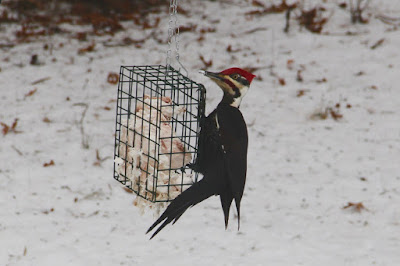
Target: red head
<point x="241" y="72"/>
<point x="234" y="82"/>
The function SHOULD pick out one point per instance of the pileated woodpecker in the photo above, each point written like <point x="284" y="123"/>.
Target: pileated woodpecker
<point x="222" y="151"/>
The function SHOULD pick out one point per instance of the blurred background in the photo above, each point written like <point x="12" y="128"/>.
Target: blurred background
<point x="323" y="118"/>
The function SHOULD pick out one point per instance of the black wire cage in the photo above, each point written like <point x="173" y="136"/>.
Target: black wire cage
<point x="157" y="127"/>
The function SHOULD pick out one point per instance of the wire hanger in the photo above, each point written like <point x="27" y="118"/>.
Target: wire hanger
<point x="173" y="35"/>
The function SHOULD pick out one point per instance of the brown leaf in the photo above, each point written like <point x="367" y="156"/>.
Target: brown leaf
<point x="289" y="64"/>
<point x="5" y="129"/>
<point x="335" y="114"/>
<point x="187" y="28"/>
<point x="46" y="120"/>
<point x="14" y="124"/>
<point x="230" y="50"/>
<point x="257" y="3"/>
<point x="205" y="30"/>
<point x="282" y="81"/>
<point x="355" y="206"/>
<point x="81" y="36"/>
<point x="127" y="190"/>
<point x="207" y="64"/>
<point x="312" y="20"/>
<point x="360" y="73"/>
<point x="48" y="164"/>
<point x="374" y="87"/>
<point x="87" y="49"/>
<point x="300" y="93"/>
<point x="113" y="78"/>
<point x="299" y="77"/>
<point x="280" y="8"/>
<point x="48" y="211"/>
<point x="31" y="92"/>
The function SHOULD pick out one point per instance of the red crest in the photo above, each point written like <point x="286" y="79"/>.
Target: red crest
<point x="236" y="70"/>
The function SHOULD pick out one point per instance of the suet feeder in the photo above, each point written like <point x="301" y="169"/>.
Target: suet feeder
<point x="157" y="126"/>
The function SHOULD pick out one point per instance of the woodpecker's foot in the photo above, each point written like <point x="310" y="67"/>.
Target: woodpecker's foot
<point x="192" y="166"/>
<point x="183" y="169"/>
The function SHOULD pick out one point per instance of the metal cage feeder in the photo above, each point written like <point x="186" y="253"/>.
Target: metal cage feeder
<point x="157" y="127"/>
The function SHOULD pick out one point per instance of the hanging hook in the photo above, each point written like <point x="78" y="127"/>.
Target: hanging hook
<point x="173" y="32"/>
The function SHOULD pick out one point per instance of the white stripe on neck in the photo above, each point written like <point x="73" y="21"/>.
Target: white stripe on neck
<point x="236" y="101"/>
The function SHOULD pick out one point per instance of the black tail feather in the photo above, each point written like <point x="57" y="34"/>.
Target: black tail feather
<point x="226" y="201"/>
<point x="196" y="193"/>
<point x="237" y="202"/>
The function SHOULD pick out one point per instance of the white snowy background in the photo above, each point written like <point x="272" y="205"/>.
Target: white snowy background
<point x="302" y="170"/>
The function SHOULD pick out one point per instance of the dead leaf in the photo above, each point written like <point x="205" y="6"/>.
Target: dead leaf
<point x="257" y="3"/>
<point x="335" y="114"/>
<point x="113" y="78"/>
<point x="48" y="164"/>
<point x="289" y="64"/>
<point x="299" y="77"/>
<point x="7" y="129"/>
<point x="323" y="80"/>
<point x="207" y="64"/>
<point x="300" y="93"/>
<point x="31" y="92"/>
<point x="87" y="49"/>
<point x="187" y="28"/>
<point x="279" y="8"/>
<point x="355" y="206"/>
<point x="312" y="20"/>
<point x="127" y="190"/>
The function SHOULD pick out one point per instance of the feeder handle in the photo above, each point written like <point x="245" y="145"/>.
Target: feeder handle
<point x="173" y="32"/>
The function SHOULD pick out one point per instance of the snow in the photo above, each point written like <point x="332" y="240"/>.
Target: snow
<point x="301" y="171"/>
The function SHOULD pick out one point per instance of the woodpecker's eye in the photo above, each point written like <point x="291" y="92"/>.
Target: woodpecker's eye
<point x="235" y="76"/>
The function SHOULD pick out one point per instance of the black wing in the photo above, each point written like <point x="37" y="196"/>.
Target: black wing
<point x="234" y="140"/>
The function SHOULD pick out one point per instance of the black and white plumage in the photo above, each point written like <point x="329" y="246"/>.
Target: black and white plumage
<point x="222" y="152"/>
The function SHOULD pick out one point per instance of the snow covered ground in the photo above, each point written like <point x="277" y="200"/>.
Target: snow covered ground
<point x="302" y="171"/>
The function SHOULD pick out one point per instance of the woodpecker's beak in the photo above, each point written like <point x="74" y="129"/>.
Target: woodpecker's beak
<point x="212" y="75"/>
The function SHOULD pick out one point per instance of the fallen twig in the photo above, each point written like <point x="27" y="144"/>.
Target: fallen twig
<point x="377" y="44"/>
<point x="40" y="80"/>
<point x="85" y="138"/>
